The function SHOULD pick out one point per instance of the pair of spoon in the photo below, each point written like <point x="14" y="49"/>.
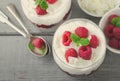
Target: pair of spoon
<point x="26" y="34"/>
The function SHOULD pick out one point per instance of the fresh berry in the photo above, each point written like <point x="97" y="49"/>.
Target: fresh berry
<point x="116" y="32"/>
<point x="66" y="40"/>
<point x="82" y="32"/>
<point x="85" y="52"/>
<point x="111" y="17"/>
<point x="94" y="42"/>
<point x="114" y="43"/>
<point x="51" y="1"/>
<point x="40" y="11"/>
<point x="38" y="43"/>
<point x="71" y="52"/>
<point x="109" y="30"/>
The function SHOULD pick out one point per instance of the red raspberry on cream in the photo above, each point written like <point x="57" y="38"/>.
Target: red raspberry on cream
<point x="94" y="41"/>
<point x="82" y="32"/>
<point x="66" y="40"/>
<point x="40" y="11"/>
<point x="85" y="52"/>
<point x="51" y="1"/>
<point x="71" y="52"/>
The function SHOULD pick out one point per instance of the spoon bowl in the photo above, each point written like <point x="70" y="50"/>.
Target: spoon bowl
<point x="47" y="47"/>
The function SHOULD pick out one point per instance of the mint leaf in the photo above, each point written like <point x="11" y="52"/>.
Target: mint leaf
<point x="78" y="44"/>
<point x="117" y="24"/>
<point x="115" y="20"/>
<point x="31" y="46"/>
<point x="37" y="2"/>
<point x="42" y="50"/>
<point x="43" y="4"/>
<point x="75" y="38"/>
<point x="84" y="41"/>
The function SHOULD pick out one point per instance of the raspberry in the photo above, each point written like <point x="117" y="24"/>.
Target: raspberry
<point x="51" y="1"/>
<point x="109" y="31"/>
<point x="71" y="52"/>
<point x="38" y="43"/>
<point x="40" y="11"/>
<point x="66" y="40"/>
<point x="116" y="33"/>
<point x="94" y="42"/>
<point x="111" y="17"/>
<point x="114" y="43"/>
<point x="85" y="52"/>
<point x="81" y="32"/>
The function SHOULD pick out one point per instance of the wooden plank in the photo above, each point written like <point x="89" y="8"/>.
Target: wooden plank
<point x="17" y="64"/>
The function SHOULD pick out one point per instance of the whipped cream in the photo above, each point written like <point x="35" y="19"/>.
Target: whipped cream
<point x="56" y="11"/>
<point x="59" y="49"/>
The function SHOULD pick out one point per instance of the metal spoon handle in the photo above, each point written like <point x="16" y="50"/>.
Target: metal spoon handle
<point x="15" y="28"/>
<point x="4" y="19"/>
<point x="13" y="11"/>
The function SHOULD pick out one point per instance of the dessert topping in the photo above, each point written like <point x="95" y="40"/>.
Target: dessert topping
<point x="51" y="1"/>
<point x="76" y="39"/>
<point x="82" y="32"/>
<point x="41" y="7"/>
<point x="85" y="52"/>
<point x="84" y="41"/>
<point x="71" y="52"/>
<point x="40" y="11"/>
<point x="42" y="3"/>
<point x="79" y="41"/>
<point x="80" y="38"/>
<point x="66" y="40"/>
<point x="94" y="42"/>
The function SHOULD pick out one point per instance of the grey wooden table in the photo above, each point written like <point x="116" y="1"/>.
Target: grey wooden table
<point x="17" y="64"/>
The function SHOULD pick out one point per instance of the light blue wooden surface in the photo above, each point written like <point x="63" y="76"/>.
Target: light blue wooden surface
<point x="17" y="64"/>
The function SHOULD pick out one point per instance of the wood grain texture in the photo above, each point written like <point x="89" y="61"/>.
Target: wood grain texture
<point x="17" y="64"/>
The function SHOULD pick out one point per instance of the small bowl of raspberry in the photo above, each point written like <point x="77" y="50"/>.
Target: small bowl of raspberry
<point x="110" y="24"/>
<point x="46" y="14"/>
